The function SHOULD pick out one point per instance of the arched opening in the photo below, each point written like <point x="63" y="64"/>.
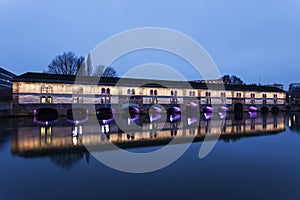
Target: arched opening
<point x="47" y="114"/>
<point x="76" y="113"/>
<point x="238" y="111"/>
<point x="238" y="108"/>
<point x="264" y="109"/>
<point x="208" y="109"/>
<point x="174" y="109"/>
<point x="275" y="110"/>
<point x="104" y="113"/>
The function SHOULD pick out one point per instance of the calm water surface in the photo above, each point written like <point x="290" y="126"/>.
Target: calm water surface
<point x="257" y="157"/>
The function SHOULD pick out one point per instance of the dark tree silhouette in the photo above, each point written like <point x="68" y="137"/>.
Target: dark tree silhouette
<point x="66" y="63"/>
<point x="233" y="80"/>
<point x="109" y="72"/>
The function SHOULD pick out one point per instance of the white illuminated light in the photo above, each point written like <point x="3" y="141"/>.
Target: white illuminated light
<point x="128" y="121"/>
<point x="151" y="118"/>
<point x="189" y="121"/>
<point x="171" y="118"/>
<point x="75" y="141"/>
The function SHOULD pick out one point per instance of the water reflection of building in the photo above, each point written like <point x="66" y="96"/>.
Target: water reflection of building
<point x="63" y="136"/>
<point x="294" y="122"/>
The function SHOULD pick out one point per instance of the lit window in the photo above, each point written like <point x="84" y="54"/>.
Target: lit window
<point x="43" y="99"/>
<point x="75" y="100"/>
<point x="50" y="89"/>
<point x="49" y="100"/>
<point x="44" y="89"/>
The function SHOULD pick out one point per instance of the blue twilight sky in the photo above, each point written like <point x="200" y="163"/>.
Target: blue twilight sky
<point x="256" y="40"/>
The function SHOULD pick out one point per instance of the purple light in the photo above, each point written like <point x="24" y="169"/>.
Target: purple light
<point x="34" y="112"/>
<point x="194" y="105"/>
<point x="208" y="109"/>
<point x="252" y="109"/>
<point x="176" y="109"/>
<point x="136" y="117"/>
<point x="223" y="109"/>
<point x="252" y="114"/>
<point x="191" y="121"/>
<point x="208" y="115"/>
<point x="156" y="117"/>
<point x="174" y="117"/>
<point x="44" y="122"/>
<point x="223" y="115"/>
<point x="157" y="109"/>
<point x="106" y="121"/>
<point x="135" y="110"/>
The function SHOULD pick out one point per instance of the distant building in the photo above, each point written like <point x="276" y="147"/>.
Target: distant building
<point x="6" y="78"/>
<point x="277" y="85"/>
<point x="294" y="93"/>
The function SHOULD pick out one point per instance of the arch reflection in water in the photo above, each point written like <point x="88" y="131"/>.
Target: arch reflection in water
<point x="36" y="139"/>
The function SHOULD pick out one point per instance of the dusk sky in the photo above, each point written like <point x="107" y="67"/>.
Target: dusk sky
<point x="255" y="40"/>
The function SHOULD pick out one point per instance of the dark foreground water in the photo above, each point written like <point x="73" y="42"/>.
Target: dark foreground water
<point x="257" y="157"/>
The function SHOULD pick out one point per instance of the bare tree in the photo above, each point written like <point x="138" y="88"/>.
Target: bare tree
<point x="109" y="72"/>
<point x="67" y="64"/>
<point x="89" y="66"/>
<point x="98" y="70"/>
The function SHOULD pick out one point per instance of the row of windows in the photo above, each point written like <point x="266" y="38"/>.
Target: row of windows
<point x="106" y="91"/>
<point x="46" y="89"/>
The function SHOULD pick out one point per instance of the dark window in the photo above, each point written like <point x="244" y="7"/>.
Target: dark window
<point x="133" y="92"/>
<point x="103" y="91"/>
<point x="107" y="91"/>
<point x="151" y="92"/>
<point x="155" y="92"/>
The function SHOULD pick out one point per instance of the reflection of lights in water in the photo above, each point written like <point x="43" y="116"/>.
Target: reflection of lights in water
<point x="128" y="121"/>
<point x="222" y="115"/>
<point x="151" y="118"/>
<point x="171" y="118"/>
<point x="75" y="140"/>
<point x="77" y="131"/>
<point x="194" y="105"/>
<point x="191" y="120"/>
<point x="208" y="115"/>
<point x="43" y="131"/>
<point x="290" y="122"/>
<point x="294" y="118"/>
<point x="105" y="128"/>
<point x="150" y="126"/>
<point x="252" y="114"/>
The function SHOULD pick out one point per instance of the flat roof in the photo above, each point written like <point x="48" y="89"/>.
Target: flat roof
<point x="112" y="81"/>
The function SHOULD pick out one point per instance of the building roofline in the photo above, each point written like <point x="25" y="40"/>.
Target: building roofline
<point x="70" y="79"/>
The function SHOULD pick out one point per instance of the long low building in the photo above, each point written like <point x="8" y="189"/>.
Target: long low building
<point x="34" y="91"/>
